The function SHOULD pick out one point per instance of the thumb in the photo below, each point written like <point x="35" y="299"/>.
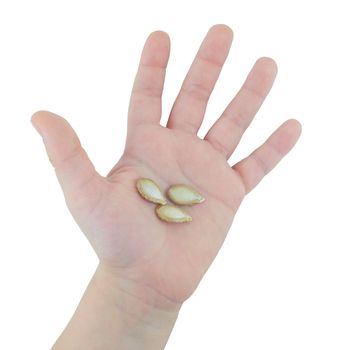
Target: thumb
<point x="74" y="169"/>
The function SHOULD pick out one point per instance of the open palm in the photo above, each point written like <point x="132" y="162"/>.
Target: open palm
<point x="125" y="232"/>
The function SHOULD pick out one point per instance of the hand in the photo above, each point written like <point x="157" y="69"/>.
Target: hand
<point x="123" y="229"/>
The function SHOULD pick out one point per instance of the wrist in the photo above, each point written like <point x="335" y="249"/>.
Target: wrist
<point x="146" y="317"/>
<point x="140" y="307"/>
<point x="117" y="313"/>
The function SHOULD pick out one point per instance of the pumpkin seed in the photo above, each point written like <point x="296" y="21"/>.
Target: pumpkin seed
<point x="150" y="191"/>
<point x="171" y="213"/>
<point x="184" y="195"/>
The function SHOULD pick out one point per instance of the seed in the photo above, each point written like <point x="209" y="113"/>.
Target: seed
<point x="150" y="191"/>
<point x="171" y="213"/>
<point x="184" y="195"/>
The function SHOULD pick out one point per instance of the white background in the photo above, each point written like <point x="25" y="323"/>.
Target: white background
<point x="286" y="277"/>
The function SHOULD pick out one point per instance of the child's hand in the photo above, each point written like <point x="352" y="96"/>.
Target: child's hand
<point x="129" y="239"/>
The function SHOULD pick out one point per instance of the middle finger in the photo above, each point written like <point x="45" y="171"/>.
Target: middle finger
<point x="190" y="105"/>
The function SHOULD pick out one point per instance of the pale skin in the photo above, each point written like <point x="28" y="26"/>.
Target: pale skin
<point x="148" y="268"/>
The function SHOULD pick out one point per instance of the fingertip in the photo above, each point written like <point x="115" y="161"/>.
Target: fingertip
<point x="221" y="33"/>
<point x="297" y="123"/>
<point x="160" y="33"/>
<point x="222" y="28"/>
<point x="35" y="116"/>
<point x="37" y="119"/>
<point x="156" y="50"/>
<point x="47" y="123"/>
<point x="42" y="115"/>
<point x="294" y="126"/>
<point x="268" y="65"/>
<point x="287" y="135"/>
<point x="160" y="37"/>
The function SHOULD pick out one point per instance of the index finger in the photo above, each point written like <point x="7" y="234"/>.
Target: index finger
<point x="146" y="99"/>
